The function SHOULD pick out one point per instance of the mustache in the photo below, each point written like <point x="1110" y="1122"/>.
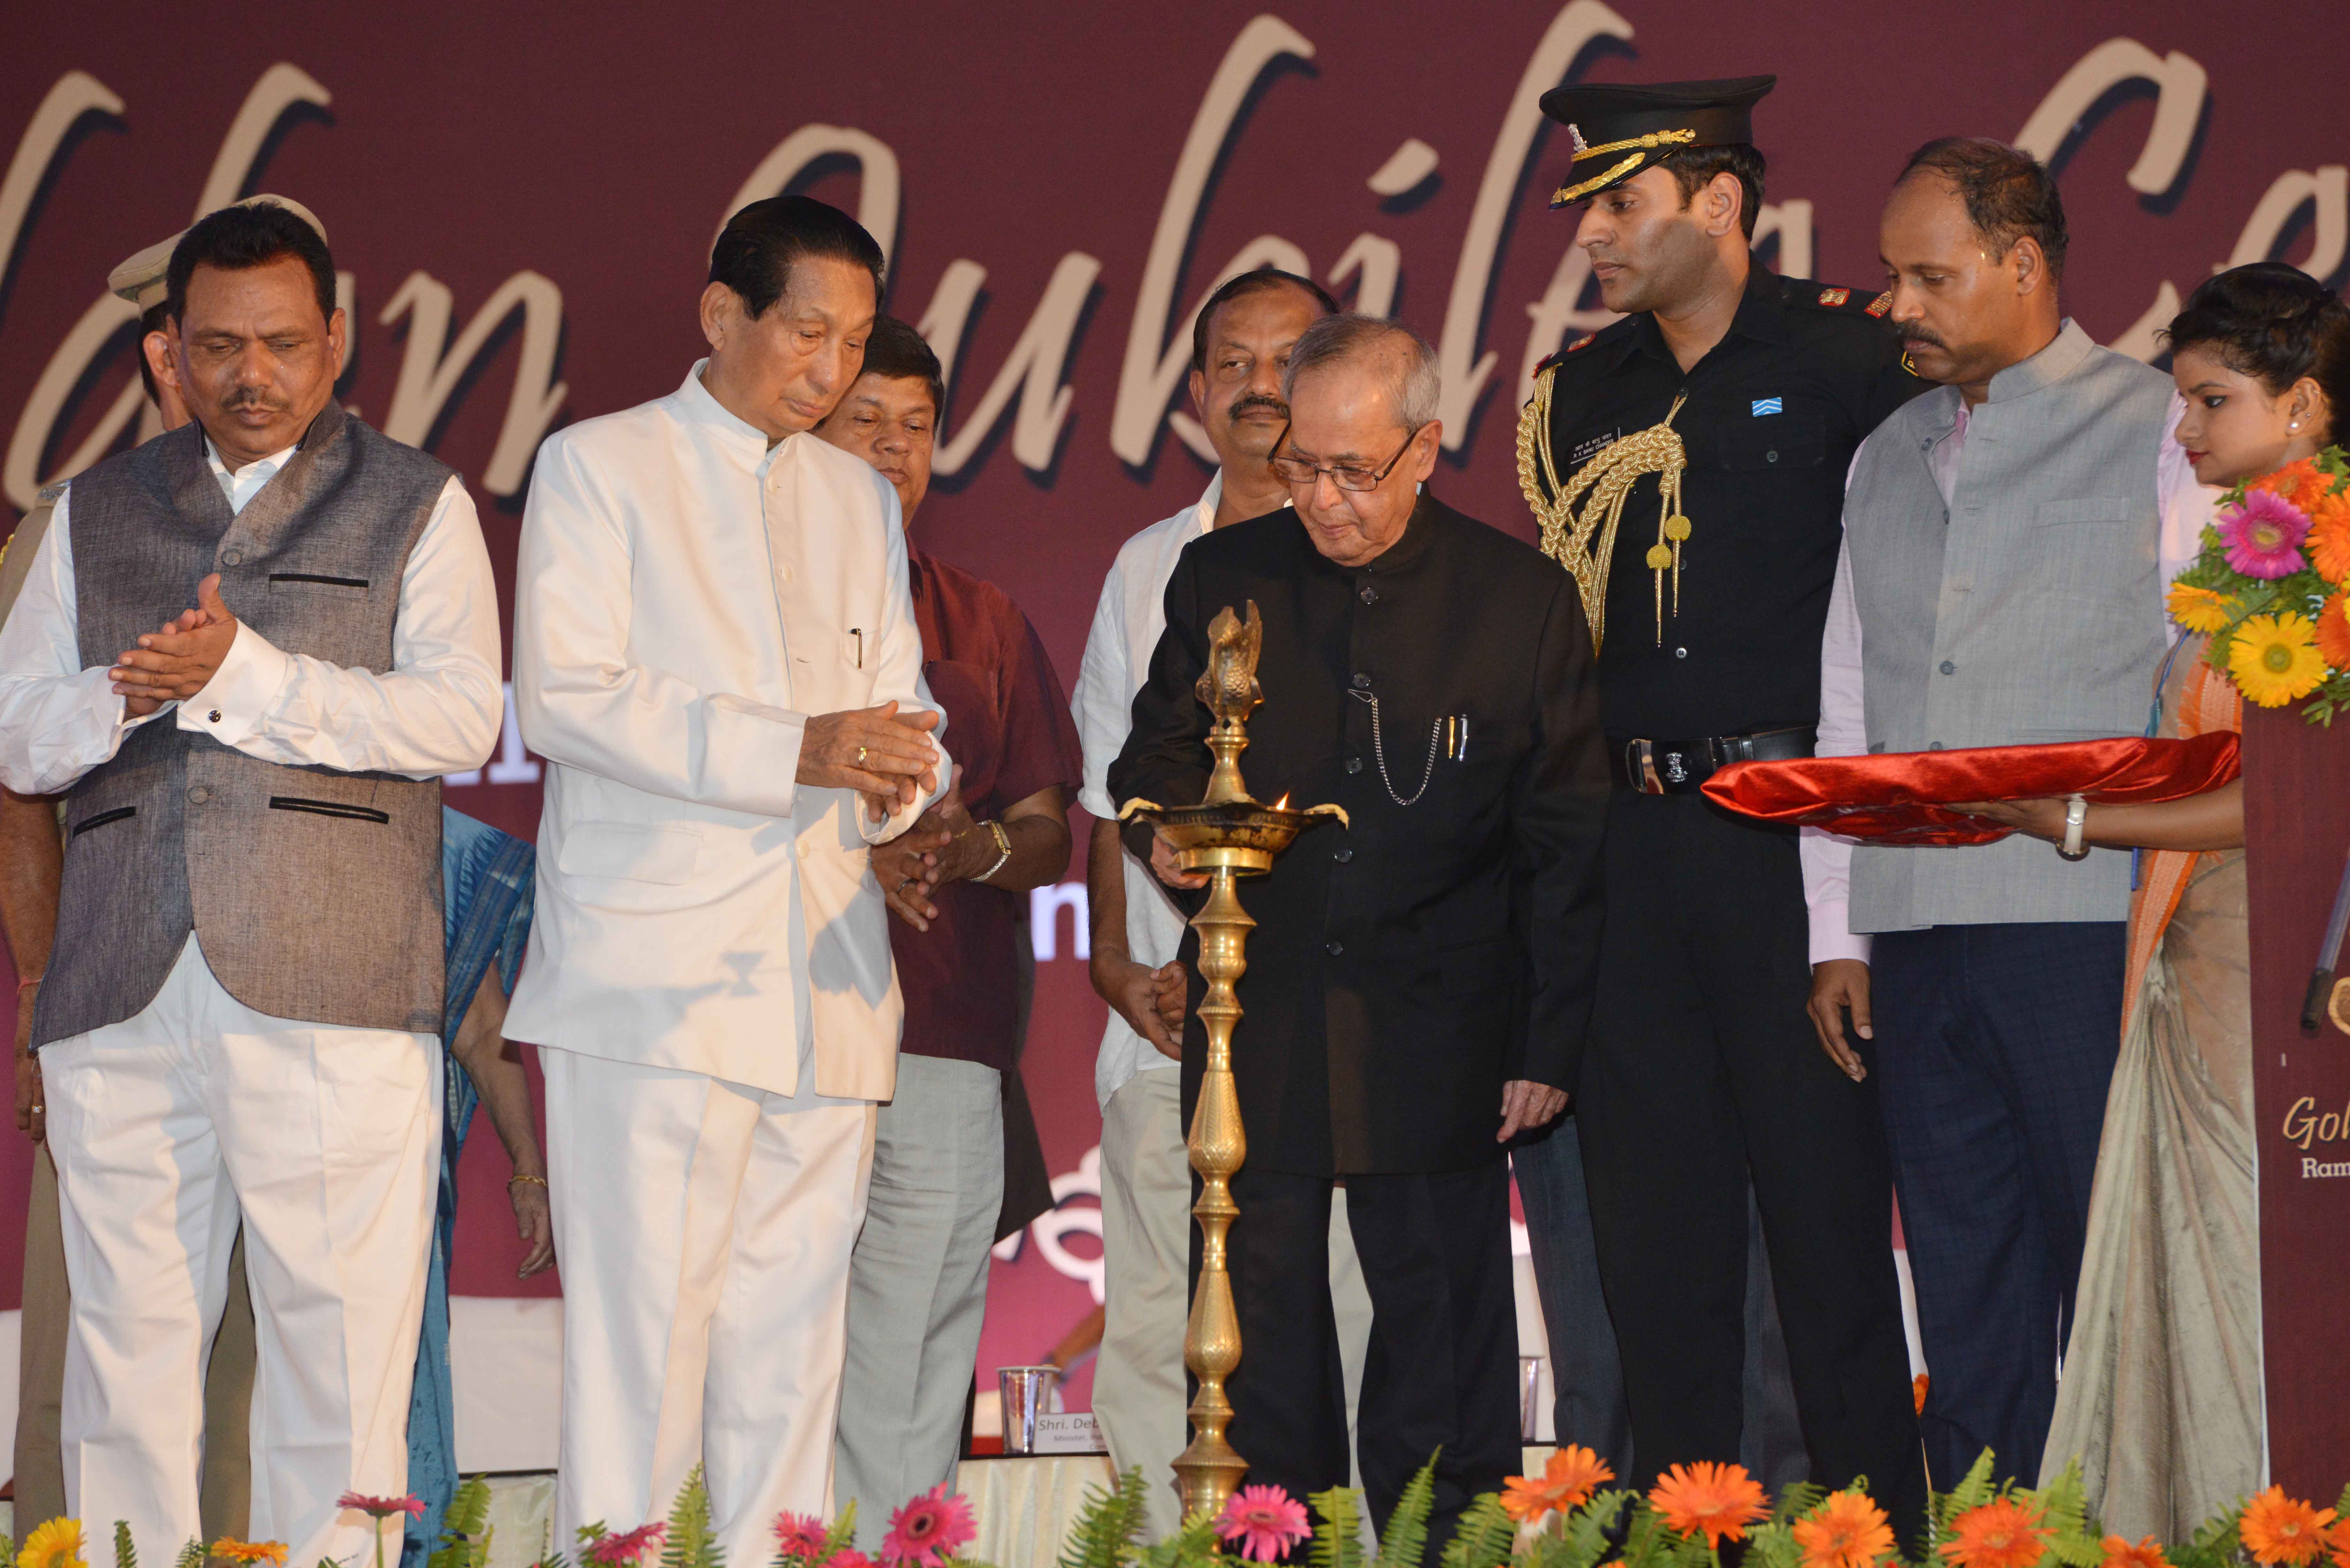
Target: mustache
<point x="1915" y="332"/>
<point x="257" y="397"/>
<point x="1246" y="401"/>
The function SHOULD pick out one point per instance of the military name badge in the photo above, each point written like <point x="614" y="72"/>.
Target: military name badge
<point x="1835" y="295"/>
<point x="1587" y="447"/>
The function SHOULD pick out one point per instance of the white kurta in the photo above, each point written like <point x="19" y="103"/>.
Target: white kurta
<point x="710" y="960"/>
<point x="169" y="1128"/>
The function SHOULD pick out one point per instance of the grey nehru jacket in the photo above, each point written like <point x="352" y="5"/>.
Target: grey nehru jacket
<point x="314" y="892"/>
<point x="2026" y="610"/>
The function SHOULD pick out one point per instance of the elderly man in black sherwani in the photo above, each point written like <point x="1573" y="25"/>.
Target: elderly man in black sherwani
<point x="1416" y="983"/>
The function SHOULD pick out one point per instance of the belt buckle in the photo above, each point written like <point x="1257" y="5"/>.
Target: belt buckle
<point x="1640" y="766"/>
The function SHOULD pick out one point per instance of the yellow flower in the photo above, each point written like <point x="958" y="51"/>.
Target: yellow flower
<point x="2198" y="610"/>
<point x="2274" y="659"/>
<point x="56" y="1544"/>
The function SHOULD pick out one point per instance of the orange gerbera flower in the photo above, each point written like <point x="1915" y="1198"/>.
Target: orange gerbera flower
<point x="2280" y="1529"/>
<point x="1574" y="1473"/>
<point x="2340" y="1540"/>
<point x="1847" y="1530"/>
<point x="2333" y="631"/>
<point x="2146" y="1553"/>
<point x="2001" y="1533"/>
<point x="1918" y="1388"/>
<point x="2329" y="538"/>
<point x="1720" y="1501"/>
<point x="228" y="1549"/>
<point x="2299" y="482"/>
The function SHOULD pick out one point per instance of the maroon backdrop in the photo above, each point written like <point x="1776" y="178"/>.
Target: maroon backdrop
<point x="1058" y="185"/>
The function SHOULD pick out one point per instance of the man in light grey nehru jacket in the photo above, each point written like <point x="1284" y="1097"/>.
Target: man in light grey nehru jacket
<point x="239" y="1012"/>
<point x="2007" y="540"/>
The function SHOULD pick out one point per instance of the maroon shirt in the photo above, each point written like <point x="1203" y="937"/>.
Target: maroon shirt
<point x="1008" y="727"/>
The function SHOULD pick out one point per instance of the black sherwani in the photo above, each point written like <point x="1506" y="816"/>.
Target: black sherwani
<point x="1401" y="970"/>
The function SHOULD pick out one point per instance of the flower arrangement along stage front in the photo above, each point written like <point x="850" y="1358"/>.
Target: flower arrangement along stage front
<point x="2271" y="586"/>
<point x="1564" y="1518"/>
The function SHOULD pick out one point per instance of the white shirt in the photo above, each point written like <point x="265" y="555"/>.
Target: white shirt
<point x="688" y="597"/>
<point x="436" y="711"/>
<point x="1843" y="728"/>
<point x="1127" y="622"/>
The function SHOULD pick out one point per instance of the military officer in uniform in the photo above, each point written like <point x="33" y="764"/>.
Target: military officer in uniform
<point x="1687" y="465"/>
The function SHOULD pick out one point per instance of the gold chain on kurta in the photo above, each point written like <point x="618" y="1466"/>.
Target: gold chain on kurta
<point x="1567" y="536"/>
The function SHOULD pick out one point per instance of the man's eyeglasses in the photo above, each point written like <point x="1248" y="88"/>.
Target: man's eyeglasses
<point x="1345" y="476"/>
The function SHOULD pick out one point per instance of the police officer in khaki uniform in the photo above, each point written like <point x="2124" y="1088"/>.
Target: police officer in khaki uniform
<point x="1687" y="466"/>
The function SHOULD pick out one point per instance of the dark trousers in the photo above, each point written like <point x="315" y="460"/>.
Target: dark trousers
<point x="1995" y="1045"/>
<point x="1702" y="1075"/>
<point x="1587" y="1403"/>
<point x="1442" y="1370"/>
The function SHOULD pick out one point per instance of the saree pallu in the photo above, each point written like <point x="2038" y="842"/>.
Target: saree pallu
<point x="486" y="879"/>
<point x="2160" y="1398"/>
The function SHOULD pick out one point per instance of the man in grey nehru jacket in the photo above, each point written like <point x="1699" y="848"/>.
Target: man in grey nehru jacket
<point x="2007" y="537"/>
<point x="238" y="1016"/>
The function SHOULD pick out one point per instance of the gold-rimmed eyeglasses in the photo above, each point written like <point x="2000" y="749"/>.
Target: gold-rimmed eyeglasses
<point x="1351" y="476"/>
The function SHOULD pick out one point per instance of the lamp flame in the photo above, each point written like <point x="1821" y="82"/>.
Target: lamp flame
<point x="1283" y="804"/>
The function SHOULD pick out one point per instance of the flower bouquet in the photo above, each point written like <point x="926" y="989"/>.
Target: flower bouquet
<point x="2272" y="587"/>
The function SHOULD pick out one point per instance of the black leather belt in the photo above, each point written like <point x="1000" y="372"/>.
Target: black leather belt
<point x="1679" y="767"/>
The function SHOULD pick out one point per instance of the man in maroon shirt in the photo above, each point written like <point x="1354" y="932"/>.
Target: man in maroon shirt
<point x="918" y="1283"/>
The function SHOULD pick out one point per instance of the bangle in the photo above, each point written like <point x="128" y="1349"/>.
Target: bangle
<point x="1002" y="849"/>
<point x="2076" y="818"/>
<point x="533" y="1180"/>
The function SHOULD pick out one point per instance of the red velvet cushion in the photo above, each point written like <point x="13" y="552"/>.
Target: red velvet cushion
<point x="1900" y="798"/>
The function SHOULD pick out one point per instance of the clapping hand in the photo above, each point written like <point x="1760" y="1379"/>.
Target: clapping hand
<point x="179" y="658"/>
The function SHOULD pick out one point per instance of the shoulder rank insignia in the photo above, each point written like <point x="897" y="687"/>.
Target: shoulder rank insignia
<point x="1835" y="295"/>
<point x="1881" y="304"/>
<point x="1586" y="341"/>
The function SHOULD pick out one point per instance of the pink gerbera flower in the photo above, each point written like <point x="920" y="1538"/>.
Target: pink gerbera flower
<point x="2264" y="535"/>
<point x="799" y="1536"/>
<point x="846" y="1558"/>
<point x="929" y="1530"/>
<point x="381" y="1507"/>
<point x="618" y="1551"/>
<point x="1265" y="1520"/>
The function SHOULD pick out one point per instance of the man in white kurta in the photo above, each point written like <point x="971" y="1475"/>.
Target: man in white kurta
<point x="712" y="622"/>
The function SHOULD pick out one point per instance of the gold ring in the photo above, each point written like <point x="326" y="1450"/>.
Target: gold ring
<point x="861" y="757"/>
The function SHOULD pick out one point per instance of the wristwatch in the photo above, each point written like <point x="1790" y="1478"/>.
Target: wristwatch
<point x="2076" y="818"/>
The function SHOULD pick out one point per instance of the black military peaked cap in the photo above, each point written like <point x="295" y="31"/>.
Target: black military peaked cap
<point x="1621" y="129"/>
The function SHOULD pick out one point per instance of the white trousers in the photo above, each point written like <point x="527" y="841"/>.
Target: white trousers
<point x="917" y="1286"/>
<point x="1146" y="1202"/>
<point x="167" y="1127"/>
<point x="705" y="1230"/>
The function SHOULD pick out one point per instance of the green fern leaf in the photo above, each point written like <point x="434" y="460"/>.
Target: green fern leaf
<point x="841" y="1535"/>
<point x="125" y="1554"/>
<point x="1972" y="1493"/>
<point x="191" y="1556"/>
<point x="1107" y="1523"/>
<point x="465" y="1527"/>
<point x="1774" y="1545"/>
<point x="1192" y="1546"/>
<point x="1339" y="1537"/>
<point x="1587" y="1541"/>
<point x="1484" y="1537"/>
<point x="689" y="1543"/>
<point x="1404" y="1543"/>
<point x="1797" y="1500"/>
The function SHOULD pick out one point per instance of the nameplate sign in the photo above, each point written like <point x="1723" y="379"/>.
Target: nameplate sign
<point x="1072" y="1432"/>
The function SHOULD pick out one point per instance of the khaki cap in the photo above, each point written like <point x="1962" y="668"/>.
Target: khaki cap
<point x="140" y="280"/>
